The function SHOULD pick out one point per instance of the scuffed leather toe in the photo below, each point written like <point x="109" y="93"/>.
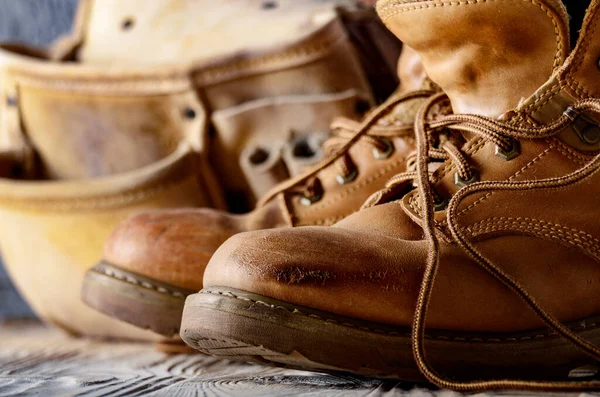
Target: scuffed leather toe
<point x="323" y="268"/>
<point x="172" y="246"/>
<point x="368" y="276"/>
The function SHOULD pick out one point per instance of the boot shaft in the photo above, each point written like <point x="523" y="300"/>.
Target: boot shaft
<point x="487" y="56"/>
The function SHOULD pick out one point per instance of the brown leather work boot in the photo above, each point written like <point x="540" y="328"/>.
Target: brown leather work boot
<point x="508" y="223"/>
<point x="141" y="108"/>
<point x="155" y="259"/>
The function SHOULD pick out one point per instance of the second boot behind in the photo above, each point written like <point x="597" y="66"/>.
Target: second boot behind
<point x="154" y="259"/>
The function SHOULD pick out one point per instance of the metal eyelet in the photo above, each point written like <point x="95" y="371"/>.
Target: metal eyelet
<point x="343" y="179"/>
<point x="585" y="127"/>
<point x="458" y="181"/>
<point x="382" y="155"/>
<point x="308" y="201"/>
<point x="507" y="155"/>
<point x="441" y="205"/>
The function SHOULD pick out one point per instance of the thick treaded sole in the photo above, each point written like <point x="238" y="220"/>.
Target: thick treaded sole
<point x="238" y="325"/>
<point x="134" y="299"/>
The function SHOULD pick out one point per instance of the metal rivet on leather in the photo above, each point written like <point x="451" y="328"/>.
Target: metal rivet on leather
<point x="259" y="156"/>
<point x="507" y="155"/>
<point x="458" y="181"/>
<point x="343" y="179"/>
<point x="189" y="113"/>
<point x="591" y="135"/>
<point x="127" y="23"/>
<point x="269" y="5"/>
<point x="382" y="155"/>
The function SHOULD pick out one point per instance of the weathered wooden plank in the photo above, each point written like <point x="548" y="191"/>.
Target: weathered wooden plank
<point x="39" y="360"/>
<point x="35" y="359"/>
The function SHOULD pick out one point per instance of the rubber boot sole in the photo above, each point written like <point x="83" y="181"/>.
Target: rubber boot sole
<point x="134" y="299"/>
<point x="243" y="326"/>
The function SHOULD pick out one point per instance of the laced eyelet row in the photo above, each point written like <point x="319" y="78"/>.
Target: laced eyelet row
<point x="343" y="179"/>
<point x="430" y="201"/>
<point x="347" y="133"/>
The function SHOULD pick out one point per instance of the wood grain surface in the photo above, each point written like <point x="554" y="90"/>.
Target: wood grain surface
<point x="35" y="360"/>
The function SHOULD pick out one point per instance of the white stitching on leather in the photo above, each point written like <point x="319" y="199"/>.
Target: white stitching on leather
<point x="128" y="278"/>
<point x="581" y="325"/>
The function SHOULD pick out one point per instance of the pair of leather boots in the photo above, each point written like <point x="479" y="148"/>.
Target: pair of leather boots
<point x="477" y="261"/>
<point x="167" y="104"/>
<point x="477" y="257"/>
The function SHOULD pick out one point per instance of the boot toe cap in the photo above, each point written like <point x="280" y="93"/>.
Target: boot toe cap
<point x="172" y="246"/>
<point x="330" y="269"/>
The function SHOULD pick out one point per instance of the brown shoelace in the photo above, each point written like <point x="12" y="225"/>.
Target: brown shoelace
<point x="347" y="133"/>
<point x="503" y="135"/>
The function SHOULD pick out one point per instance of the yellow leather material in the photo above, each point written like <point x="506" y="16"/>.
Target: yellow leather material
<point x="93" y="128"/>
<point x="51" y="232"/>
<point x="105" y="133"/>
<point x="141" y="28"/>
<point x="101" y="115"/>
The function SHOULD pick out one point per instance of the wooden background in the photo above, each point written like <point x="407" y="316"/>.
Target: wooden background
<point x="35" y="360"/>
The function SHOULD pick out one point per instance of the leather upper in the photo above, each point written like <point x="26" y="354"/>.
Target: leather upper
<point x="483" y="66"/>
<point x="181" y="254"/>
<point x="370" y="265"/>
<point x="173" y="246"/>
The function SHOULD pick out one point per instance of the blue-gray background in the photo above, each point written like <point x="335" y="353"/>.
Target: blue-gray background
<point x="36" y="22"/>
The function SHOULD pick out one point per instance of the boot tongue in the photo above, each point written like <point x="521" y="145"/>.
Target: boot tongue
<point x="412" y="77"/>
<point x="411" y="72"/>
<point x="486" y="55"/>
